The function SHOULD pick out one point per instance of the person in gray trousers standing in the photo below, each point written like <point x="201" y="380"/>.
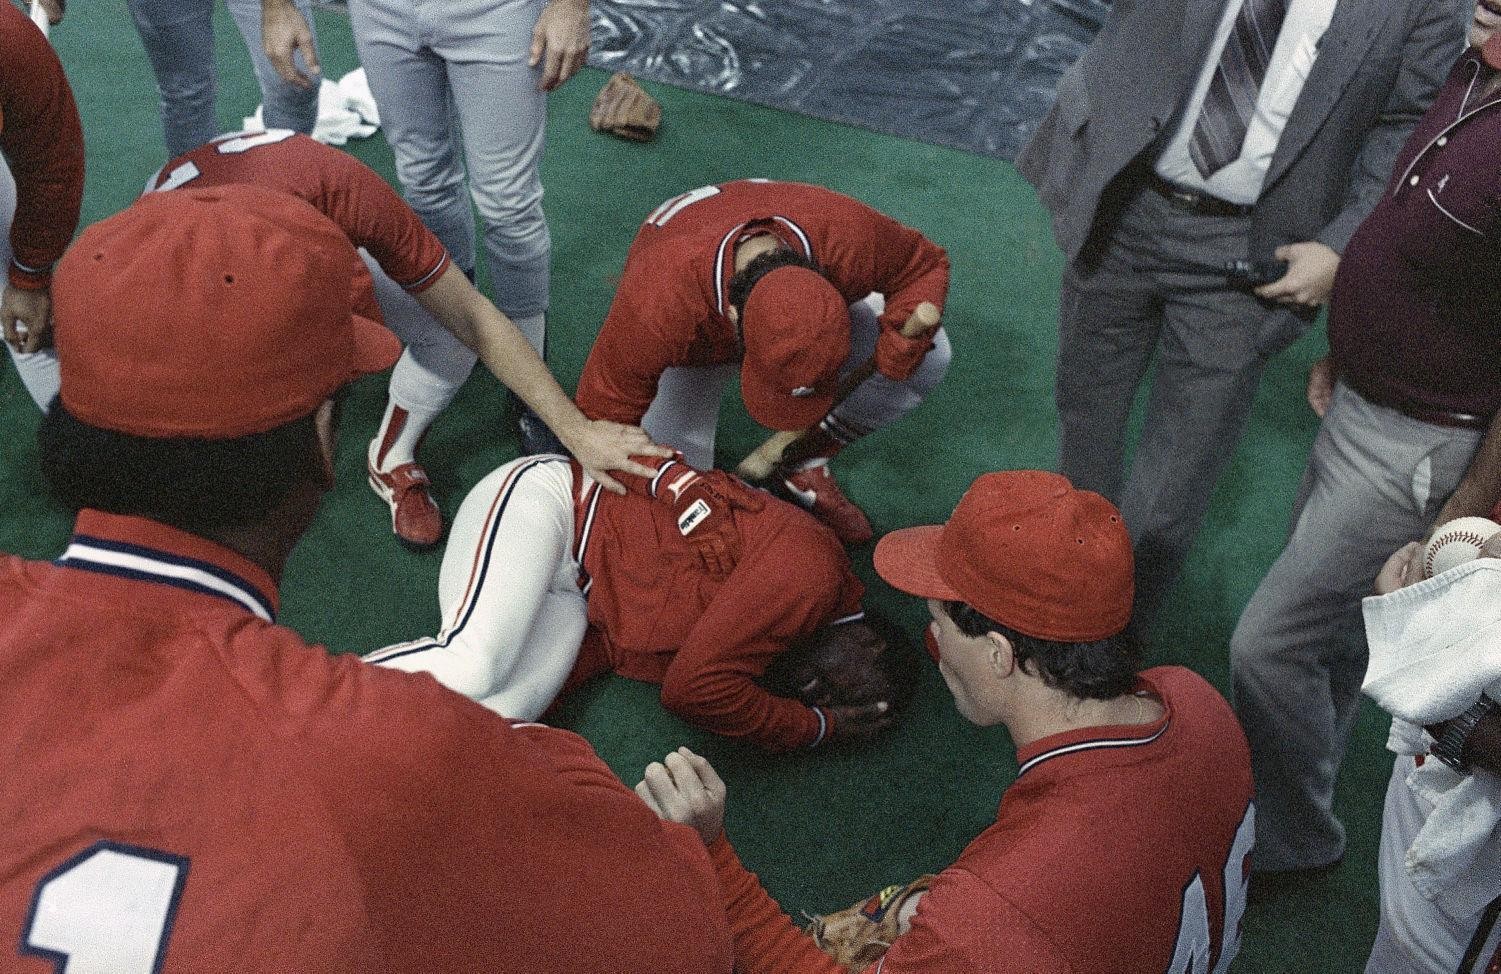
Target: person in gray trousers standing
<point x="179" y="40"/>
<point x="1188" y="135"/>
<point x="462" y="85"/>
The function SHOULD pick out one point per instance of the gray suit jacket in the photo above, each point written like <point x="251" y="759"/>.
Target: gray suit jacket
<point x="1379" y="65"/>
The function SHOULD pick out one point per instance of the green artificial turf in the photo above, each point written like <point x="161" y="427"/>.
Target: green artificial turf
<point x="823" y="828"/>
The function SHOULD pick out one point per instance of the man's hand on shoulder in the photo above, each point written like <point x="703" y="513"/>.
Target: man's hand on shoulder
<point x="601" y="446"/>
<point x="1309" y="278"/>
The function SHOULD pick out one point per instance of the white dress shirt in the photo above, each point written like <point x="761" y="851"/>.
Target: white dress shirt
<point x="1292" y="58"/>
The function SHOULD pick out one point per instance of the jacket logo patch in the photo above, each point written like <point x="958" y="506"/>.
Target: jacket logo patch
<point x="693" y="516"/>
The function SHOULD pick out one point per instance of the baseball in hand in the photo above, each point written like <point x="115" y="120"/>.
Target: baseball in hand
<point x="1455" y="543"/>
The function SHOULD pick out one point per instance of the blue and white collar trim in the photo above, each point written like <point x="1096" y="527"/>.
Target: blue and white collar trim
<point x="151" y="565"/>
<point x="1103" y="742"/>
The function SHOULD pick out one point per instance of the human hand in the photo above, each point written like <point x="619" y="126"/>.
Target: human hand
<point x="1320" y="386"/>
<point x="600" y="445"/>
<point x="900" y="351"/>
<point x="1402" y="569"/>
<point x="684" y="788"/>
<point x="1309" y="278"/>
<point x="27" y="317"/>
<point x="560" y="41"/>
<point x="284" y="32"/>
<point x="859" y="722"/>
<point x="844" y="665"/>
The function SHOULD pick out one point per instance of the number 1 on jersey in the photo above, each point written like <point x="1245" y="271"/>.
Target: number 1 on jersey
<point x="107" y="910"/>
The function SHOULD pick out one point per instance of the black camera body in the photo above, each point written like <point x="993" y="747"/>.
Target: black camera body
<point x="1255" y="273"/>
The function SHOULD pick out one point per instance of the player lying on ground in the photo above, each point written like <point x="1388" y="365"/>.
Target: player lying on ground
<point x="424" y="298"/>
<point x="698" y="584"/>
<point x="770" y="279"/>
<point x="1122" y="845"/>
<point x="207" y="792"/>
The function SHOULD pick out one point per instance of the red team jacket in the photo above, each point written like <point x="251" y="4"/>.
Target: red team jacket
<point x="669" y="309"/>
<point x="656" y="615"/>
<point x="193" y="788"/>
<point x="338" y="185"/>
<point x="1117" y="850"/>
<point x="43" y="142"/>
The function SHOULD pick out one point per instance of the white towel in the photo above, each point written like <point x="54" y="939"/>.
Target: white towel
<point x="346" y="110"/>
<point x="1435" y="646"/>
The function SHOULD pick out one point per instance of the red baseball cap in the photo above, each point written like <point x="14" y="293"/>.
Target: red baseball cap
<point x="1027" y="549"/>
<point x="797" y="336"/>
<point x="210" y="313"/>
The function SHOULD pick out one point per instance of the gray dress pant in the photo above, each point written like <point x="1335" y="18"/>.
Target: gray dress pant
<point x="1375" y="480"/>
<point x="179" y="40"/>
<point x="1147" y="293"/>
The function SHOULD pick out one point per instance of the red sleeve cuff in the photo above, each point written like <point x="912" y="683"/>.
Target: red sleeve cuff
<point x="430" y="278"/>
<point x="29" y="280"/>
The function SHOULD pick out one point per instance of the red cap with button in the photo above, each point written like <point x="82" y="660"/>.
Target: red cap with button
<point x="211" y="314"/>
<point x="1028" y="550"/>
<point x="797" y="336"/>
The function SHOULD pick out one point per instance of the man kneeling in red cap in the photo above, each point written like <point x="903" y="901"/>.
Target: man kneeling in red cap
<point x="1122" y="845"/>
<point x="204" y="791"/>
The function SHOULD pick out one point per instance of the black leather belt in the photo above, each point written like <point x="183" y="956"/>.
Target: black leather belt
<point x="1194" y="201"/>
<point x="1429" y="414"/>
<point x="1439" y="417"/>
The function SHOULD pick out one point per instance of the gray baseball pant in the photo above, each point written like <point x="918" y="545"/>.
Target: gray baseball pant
<point x="179" y="40"/>
<point x="451" y="76"/>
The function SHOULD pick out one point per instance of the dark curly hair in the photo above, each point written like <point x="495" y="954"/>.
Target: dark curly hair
<point x="762" y="264"/>
<point x="193" y="484"/>
<point x="1099" y="670"/>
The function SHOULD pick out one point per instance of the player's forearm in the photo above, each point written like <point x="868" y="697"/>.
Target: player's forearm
<point x="43" y="141"/>
<point x="1480" y="487"/>
<point x="726" y="700"/>
<point x="766" y="942"/>
<point x="502" y="348"/>
<point x="1483" y="747"/>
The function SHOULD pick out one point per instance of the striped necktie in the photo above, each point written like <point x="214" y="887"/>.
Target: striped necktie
<point x="1231" y="99"/>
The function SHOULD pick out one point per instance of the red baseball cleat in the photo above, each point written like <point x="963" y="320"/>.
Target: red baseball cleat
<point x="414" y="514"/>
<point x="817" y="490"/>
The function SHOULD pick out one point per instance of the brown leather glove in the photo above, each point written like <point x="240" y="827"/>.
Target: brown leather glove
<point x="623" y="108"/>
<point x="858" y="937"/>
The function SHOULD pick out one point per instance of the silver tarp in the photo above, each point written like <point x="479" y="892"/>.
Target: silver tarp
<point x="973" y="74"/>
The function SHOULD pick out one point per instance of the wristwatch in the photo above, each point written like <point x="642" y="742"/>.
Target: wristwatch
<point x="1450" y="745"/>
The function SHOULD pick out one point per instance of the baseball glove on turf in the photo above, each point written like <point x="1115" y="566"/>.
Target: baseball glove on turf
<point x="623" y="108"/>
<point x="859" y="936"/>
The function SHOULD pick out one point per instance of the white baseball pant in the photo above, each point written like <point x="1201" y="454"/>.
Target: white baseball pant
<point x="1415" y="936"/>
<point x="513" y="613"/>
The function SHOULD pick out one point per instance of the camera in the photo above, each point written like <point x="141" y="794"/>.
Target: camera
<point x="1255" y="273"/>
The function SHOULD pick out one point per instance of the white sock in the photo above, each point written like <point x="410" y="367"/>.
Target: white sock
<point x="401" y="432"/>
